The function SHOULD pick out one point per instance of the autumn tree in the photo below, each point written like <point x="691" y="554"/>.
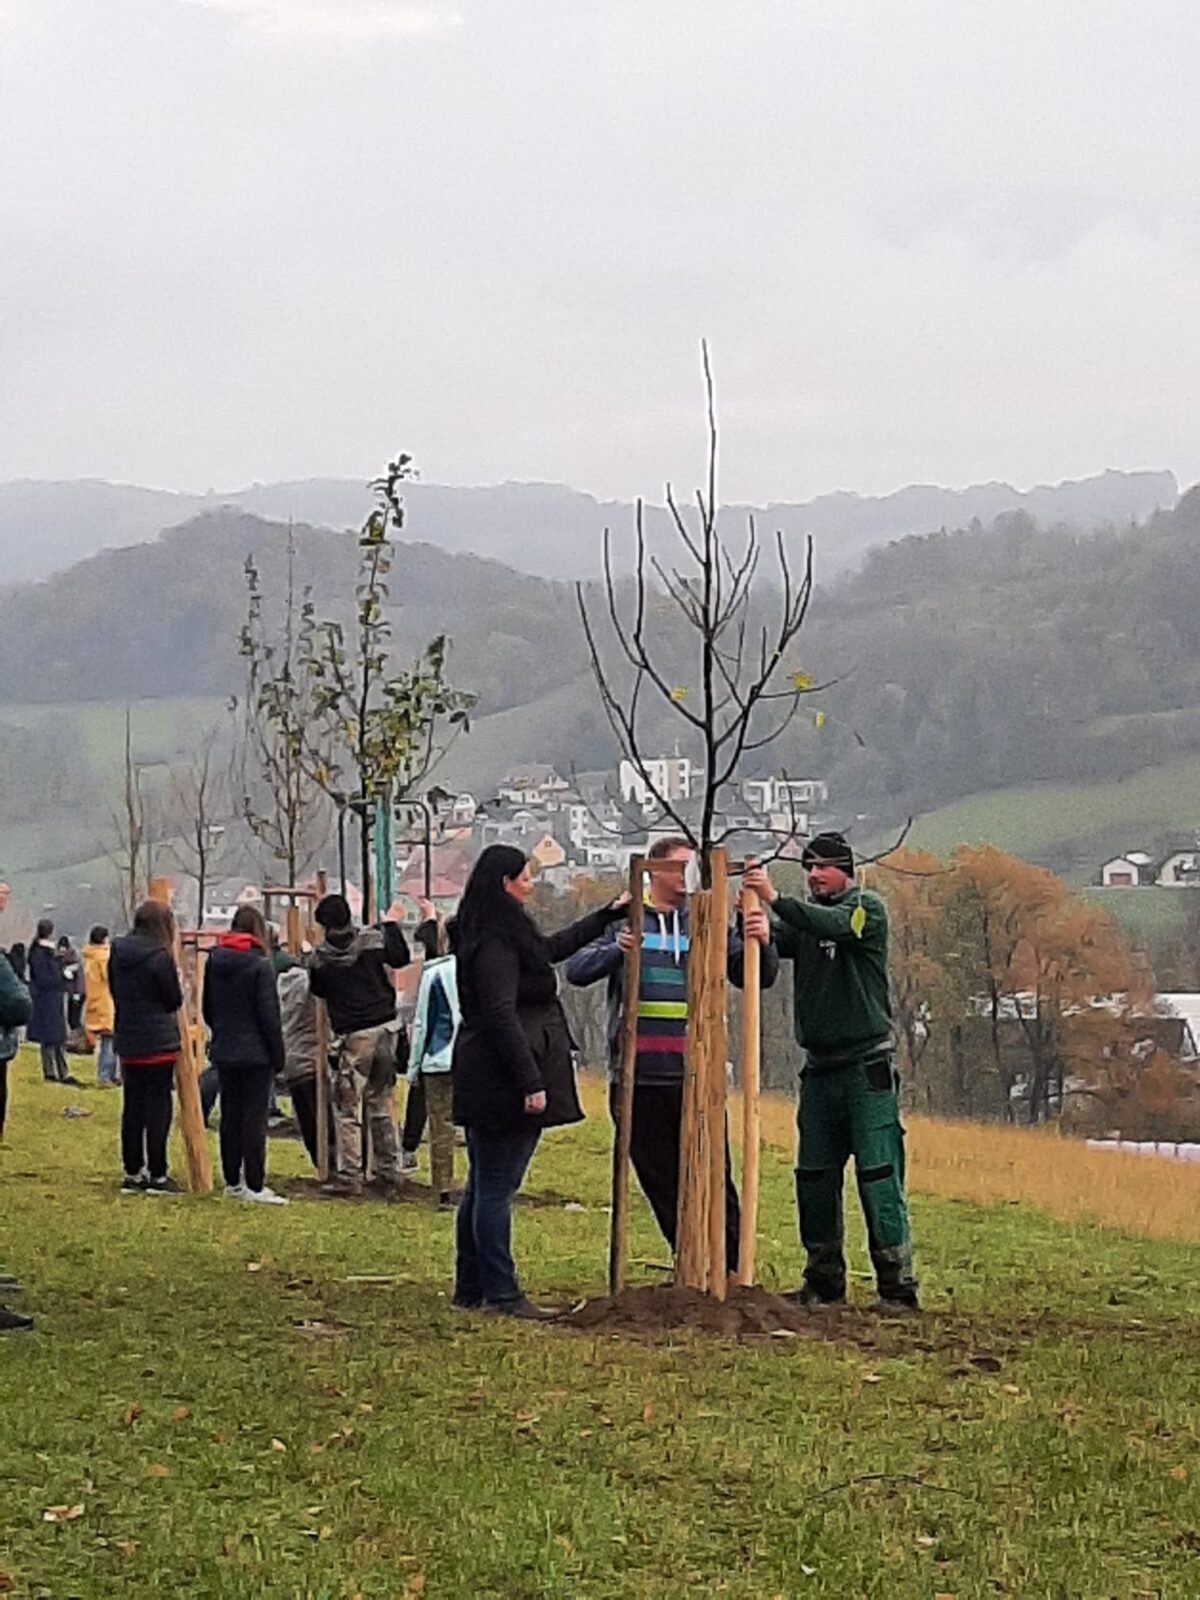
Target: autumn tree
<point x="385" y="724"/>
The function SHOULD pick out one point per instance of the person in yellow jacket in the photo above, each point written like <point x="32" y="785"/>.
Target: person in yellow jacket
<point x="98" y="1013"/>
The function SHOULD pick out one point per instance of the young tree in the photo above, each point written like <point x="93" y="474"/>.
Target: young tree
<point x="200" y="815"/>
<point x="282" y="801"/>
<point x="386" y="724"/>
<point x="130" y="848"/>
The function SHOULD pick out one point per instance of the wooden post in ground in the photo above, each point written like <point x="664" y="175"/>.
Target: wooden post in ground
<point x="694" y="1256"/>
<point x="322" y="1055"/>
<point x="751" y="1090"/>
<point x="187" y="1075"/>
<point x="618" y="1243"/>
<point x="717" y="1053"/>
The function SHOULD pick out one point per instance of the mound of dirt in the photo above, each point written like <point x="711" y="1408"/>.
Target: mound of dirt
<point x="744" y="1314"/>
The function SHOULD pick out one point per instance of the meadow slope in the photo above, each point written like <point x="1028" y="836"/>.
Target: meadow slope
<point x="245" y="1403"/>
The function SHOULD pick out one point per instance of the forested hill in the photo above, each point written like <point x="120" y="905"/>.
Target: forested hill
<point x="967" y="661"/>
<point x="546" y="529"/>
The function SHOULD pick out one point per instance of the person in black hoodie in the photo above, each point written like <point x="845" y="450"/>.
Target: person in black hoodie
<point x="351" y="971"/>
<point x="241" y="1008"/>
<point x="147" y="996"/>
<point x="512" y="1070"/>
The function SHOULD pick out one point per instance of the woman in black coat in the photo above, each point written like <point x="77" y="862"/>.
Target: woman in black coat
<point x="48" y="987"/>
<point x="241" y="1007"/>
<point x="147" y="996"/>
<point x="512" y="1070"/>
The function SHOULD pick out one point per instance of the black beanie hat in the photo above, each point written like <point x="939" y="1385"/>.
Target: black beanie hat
<point x="829" y="849"/>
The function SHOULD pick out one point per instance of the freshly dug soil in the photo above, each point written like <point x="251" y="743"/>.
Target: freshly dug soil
<point x="744" y="1314"/>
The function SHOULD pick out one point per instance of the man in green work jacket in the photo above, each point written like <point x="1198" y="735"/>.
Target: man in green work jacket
<point x="838" y="943"/>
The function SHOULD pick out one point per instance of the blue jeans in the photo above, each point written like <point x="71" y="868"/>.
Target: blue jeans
<point x="483" y="1265"/>
<point x="107" y="1070"/>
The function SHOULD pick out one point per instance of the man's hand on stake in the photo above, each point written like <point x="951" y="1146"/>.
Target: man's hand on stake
<point x="755" y="925"/>
<point x="625" y="940"/>
<point x="755" y="877"/>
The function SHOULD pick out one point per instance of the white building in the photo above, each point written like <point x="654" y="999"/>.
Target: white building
<point x="766" y="795"/>
<point x="1127" y="871"/>
<point x="1181" y="870"/>
<point x="673" y="777"/>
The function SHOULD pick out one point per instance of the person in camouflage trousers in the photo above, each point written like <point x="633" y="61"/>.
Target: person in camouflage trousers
<point x="849" y="1102"/>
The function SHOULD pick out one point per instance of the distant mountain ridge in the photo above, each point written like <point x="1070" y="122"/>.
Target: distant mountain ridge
<point x="544" y="529"/>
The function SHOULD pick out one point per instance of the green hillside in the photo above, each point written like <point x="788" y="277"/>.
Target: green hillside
<point x="1073" y="827"/>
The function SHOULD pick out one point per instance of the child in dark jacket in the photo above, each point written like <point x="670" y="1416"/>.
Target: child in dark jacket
<point x="147" y="996"/>
<point x="241" y="1008"/>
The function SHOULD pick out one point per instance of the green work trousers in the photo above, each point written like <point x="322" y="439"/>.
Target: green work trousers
<point x="853" y="1110"/>
<point x="441" y="1131"/>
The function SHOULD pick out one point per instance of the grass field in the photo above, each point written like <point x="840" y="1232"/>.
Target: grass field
<point x="248" y="1403"/>
<point x="1089" y="822"/>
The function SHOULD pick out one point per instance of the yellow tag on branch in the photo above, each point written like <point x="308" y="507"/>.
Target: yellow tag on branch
<point x="858" y="920"/>
<point x="801" y="680"/>
<point x="819" y="720"/>
<point x="678" y="694"/>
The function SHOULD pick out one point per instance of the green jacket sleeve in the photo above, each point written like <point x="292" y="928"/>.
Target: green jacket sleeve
<point x="792" y="919"/>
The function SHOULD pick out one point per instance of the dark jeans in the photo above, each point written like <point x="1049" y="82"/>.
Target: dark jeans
<point x="245" y="1106"/>
<point x="415" y="1113"/>
<point x="483" y="1264"/>
<point x="654" y="1151"/>
<point x="146" y="1118"/>
<point x="304" y="1104"/>
<point x="54" y="1063"/>
<point x="210" y="1089"/>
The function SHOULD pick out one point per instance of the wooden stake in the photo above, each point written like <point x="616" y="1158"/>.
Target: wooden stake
<point x="716" y="1088"/>
<point x="751" y="1089"/>
<point x="618" y="1240"/>
<point x="322" y="1056"/>
<point x="187" y="1072"/>
<point x="691" y="1237"/>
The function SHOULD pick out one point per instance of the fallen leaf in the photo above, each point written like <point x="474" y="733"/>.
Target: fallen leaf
<point x="180" y="1414"/>
<point x="157" y="1470"/>
<point x="1010" y="1388"/>
<point x="127" y="1547"/>
<point x="254" y="1266"/>
<point x="871" y="1377"/>
<point x="925" y="1541"/>
<point x="809" y="1572"/>
<point x="132" y="1413"/>
<point x="564" y="1543"/>
<point x="278" y="1446"/>
<point x="416" y="1583"/>
<point x="1179" y="1474"/>
<point x="648" y="1412"/>
<point x="7" y="1582"/>
<point x="62" y="1513"/>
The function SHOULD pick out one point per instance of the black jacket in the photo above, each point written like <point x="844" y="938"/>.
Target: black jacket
<point x="349" y="972"/>
<point x="514" y="1039"/>
<point x="146" y="993"/>
<point x="241" y="1006"/>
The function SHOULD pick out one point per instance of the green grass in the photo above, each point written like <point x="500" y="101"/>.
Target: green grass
<point x="1150" y="916"/>
<point x="1086" y="823"/>
<point x="238" y="1417"/>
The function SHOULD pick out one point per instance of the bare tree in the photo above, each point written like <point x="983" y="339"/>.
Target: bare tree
<point x="282" y="799"/>
<point x="200" y="815"/>
<point x="129" y="849"/>
<point x="742" y="687"/>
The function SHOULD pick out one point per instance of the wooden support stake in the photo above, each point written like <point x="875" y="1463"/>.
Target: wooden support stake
<point x="717" y="1053"/>
<point x="618" y="1241"/>
<point x="751" y="1090"/>
<point x="691" y="1237"/>
<point x="187" y="1074"/>
<point x="322" y="1081"/>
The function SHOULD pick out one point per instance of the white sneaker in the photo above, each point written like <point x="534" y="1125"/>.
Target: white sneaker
<point x="264" y="1197"/>
<point x="235" y="1191"/>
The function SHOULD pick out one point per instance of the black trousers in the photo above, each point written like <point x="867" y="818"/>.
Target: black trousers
<point x="654" y="1151"/>
<point x="304" y="1104"/>
<point x="415" y="1115"/>
<point x="3" y="1093"/>
<point x="146" y="1118"/>
<point x="245" y="1105"/>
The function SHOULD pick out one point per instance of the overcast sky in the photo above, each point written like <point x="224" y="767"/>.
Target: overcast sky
<point x="256" y="239"/>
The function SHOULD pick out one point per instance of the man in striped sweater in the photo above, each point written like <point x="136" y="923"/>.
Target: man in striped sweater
<point x="662" y="1027"/>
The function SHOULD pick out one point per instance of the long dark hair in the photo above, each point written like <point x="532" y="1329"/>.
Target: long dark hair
<point x="158" y="921"/>
<point x="487" y="907"/>
<point x="249" y="919"/>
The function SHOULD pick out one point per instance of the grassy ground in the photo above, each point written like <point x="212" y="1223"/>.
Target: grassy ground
<point x="239" y="1413"/>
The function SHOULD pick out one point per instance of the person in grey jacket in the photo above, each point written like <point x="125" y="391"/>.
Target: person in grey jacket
<point x="662" y="1028"/>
